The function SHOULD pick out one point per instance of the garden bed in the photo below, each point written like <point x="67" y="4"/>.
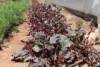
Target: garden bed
<point x="53" y="43"/>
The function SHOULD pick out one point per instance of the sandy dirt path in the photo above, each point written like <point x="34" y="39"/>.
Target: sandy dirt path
<point x="12" y="45"/>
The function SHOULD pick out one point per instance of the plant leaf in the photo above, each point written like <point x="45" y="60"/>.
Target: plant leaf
<point x="36" y="48"/>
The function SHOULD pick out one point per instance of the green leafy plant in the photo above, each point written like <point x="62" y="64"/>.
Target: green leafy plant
<point x="11" y="14"/>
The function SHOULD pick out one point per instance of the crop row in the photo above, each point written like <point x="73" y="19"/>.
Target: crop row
<point x="52" y="43"/>
<point x="11" y="14"/>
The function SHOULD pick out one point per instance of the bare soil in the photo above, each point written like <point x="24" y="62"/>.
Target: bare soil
<point x="13" y="44"/>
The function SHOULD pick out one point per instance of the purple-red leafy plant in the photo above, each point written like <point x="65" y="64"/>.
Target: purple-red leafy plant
<point x="52" y="43"/>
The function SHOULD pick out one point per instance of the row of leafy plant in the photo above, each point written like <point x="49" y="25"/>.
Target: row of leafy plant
<point x="11" y="14"/>
<point x="52" y="43"/>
